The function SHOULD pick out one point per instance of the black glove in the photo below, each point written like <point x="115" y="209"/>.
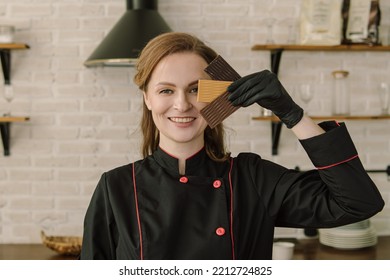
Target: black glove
<point x="265" y="89"/>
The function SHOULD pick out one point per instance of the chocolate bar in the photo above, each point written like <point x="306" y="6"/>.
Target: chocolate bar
<point x="221" y="108"/>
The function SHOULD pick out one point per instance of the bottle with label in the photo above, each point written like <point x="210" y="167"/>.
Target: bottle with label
<point x="340" y="94"/>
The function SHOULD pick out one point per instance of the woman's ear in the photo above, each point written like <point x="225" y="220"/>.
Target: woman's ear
<point x="146" y="100"/>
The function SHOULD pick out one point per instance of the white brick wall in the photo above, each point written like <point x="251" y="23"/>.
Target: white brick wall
<point x="85" y="121"/>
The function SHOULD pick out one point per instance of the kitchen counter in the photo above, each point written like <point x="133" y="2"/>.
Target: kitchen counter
<point x="305" y="249"/>
<point x="312" y="249"/>
<point x="30" y="252"/>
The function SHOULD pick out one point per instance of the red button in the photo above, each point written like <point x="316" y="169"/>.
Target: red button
<point x="217" y="184"/>
<point x="183" y="180"/>
<point x="220" y="231"/>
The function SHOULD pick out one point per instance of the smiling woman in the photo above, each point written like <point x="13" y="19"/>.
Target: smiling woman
<point x="188" y="199"/>
<point x="171" y="96"/>
<point x="153" y="55"/>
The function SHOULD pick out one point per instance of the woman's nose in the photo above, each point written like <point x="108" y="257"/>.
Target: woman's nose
<point x="182" y="102"/>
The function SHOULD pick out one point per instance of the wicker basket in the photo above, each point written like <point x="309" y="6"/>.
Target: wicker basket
<point x="64" y="245"/>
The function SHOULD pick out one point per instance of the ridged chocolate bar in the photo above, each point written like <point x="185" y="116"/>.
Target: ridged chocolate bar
<point x="220" y="70"/>
<point x="221" y="107"/>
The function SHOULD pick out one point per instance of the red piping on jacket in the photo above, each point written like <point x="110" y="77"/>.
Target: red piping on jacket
<point x="141" y="253"/>
<point x="337" y="163"/>
<point x="231" y="208"/>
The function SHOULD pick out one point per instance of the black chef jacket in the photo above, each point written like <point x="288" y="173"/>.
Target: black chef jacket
<point x="225" y="210"/>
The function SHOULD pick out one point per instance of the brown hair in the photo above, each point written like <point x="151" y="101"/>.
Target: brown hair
<point x="158" y="48"/>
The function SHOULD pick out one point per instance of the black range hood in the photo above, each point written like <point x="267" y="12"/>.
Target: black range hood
<point x="123" y="43"/>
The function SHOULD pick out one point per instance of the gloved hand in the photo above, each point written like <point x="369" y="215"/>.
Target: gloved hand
<point x="265" y="89"/>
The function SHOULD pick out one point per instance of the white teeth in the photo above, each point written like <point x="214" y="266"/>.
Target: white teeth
<point x="182" y="120"/>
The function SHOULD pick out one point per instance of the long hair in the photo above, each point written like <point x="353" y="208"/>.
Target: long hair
<point x="158" y="48"/>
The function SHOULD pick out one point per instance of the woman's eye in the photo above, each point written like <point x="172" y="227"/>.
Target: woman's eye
<point x="194" y="90"/>
<point x="166" y="91"/>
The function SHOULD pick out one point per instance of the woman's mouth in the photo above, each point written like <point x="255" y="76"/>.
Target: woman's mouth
<point x="182" y="120"/>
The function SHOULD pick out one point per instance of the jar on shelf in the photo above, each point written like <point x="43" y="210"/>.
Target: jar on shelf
<point x="6" y="33"/>
<point x="340" y="94"/>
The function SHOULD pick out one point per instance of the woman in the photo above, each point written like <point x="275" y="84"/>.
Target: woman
<point x="188" y="199"/>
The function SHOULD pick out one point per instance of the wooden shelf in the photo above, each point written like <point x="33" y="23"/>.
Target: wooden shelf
<point x="5" y="130"/>
<point x="13" y="46"/>
<point x="5" y="55"/>
<point x="276" y="124"/>
<point x="13" y="119"/>
<point x="277" y="50"/>
<point x="376" y="117"/>
<point x="320" y="48"/>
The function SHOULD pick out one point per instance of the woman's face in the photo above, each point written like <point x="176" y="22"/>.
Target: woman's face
<point x="171" y="96"/>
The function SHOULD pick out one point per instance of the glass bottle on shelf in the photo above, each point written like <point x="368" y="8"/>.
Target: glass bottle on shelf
<point x="340" y="94"/>
<point x="8" y="96"/>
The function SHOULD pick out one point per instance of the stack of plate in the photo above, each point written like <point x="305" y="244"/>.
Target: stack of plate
<point x="353" y="236"/>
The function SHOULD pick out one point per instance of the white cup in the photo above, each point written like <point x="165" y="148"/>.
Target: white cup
<point x="283" y="250"/>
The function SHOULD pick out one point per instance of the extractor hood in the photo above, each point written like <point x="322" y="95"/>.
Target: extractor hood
<point x="122" y="45"/>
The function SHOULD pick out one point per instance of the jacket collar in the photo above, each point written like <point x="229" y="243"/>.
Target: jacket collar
<point x="193" y="163"/>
